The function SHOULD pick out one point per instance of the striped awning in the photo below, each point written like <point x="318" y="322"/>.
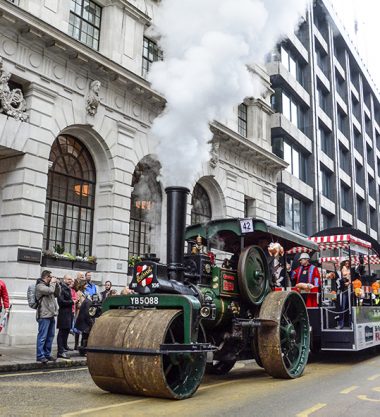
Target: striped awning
<point x="373" y="259"/>
<point x="298" y="249"/>
<point x="339" y="241"/>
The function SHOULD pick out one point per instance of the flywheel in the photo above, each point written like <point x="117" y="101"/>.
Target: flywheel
<point x="174" y="375"/>
<point x="284" y="347"/>
<point x="253" y="274"/>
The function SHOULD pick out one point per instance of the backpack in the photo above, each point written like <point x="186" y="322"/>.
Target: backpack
<point x="31" y="296"/>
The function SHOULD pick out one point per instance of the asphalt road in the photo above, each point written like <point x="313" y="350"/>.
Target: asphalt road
<point x="343" y="384"/>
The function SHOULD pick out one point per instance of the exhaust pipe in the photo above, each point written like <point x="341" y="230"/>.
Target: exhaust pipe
<point x="176" y="224"/>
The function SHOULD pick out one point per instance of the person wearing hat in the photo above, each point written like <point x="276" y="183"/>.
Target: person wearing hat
<point x="307" y="279"/>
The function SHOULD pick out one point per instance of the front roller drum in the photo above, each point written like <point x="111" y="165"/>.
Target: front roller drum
<point x="175" y="375"/>
<point x="284" y="347"/>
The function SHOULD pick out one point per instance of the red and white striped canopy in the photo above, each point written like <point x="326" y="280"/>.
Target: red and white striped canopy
<point x="298" y="249"/>
<point x="373" y="259"/>
<point x="339" y="241"/>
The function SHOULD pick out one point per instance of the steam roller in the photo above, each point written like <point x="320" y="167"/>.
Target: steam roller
<point x="196" y="314"/>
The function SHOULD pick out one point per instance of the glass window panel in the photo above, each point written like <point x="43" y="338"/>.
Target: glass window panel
<point x="284" y="58"/>
<point x="151" y="53"/>
<point x="86" y="17"/>
<point x="288" y="211"/>
<point x="296" y="215"/>
<point x="293" y="67"/>
<point x="288" y="156"/>
<point x="201" y="205"/>
<point x="295" y="163"/>
<point x="145" y="207"/>
<point x="294" y="114"/>
<point x="66" y="195"/>
<point x="286" y="106"/>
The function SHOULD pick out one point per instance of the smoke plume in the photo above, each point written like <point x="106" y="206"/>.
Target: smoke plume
<point x="207" y="46"/>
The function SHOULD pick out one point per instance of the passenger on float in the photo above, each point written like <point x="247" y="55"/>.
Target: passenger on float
<point x="278" y="271"/>
<point x="308" y="280"/>
<point x="343" y="282"/>
<point x="375" y="291"/>
<point x="345" y="270"/>
<point x="357" y="288"/>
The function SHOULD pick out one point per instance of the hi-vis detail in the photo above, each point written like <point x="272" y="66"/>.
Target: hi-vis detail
<point x="145" y="276"/>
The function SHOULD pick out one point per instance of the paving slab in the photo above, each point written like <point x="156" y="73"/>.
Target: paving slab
<point x="22" y="358"/>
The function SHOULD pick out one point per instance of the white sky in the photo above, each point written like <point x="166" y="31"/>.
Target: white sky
<point x="367" y="14"/>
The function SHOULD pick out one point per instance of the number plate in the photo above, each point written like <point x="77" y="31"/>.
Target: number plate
<point x="146" y="301"/>
<point x="246" y="225"/>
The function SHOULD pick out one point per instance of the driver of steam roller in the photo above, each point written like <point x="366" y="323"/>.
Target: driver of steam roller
<point x="307" y="278"/>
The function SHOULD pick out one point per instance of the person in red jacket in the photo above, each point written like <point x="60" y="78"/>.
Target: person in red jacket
<point x="307" y="279"/>
<point x="4" y="298"/>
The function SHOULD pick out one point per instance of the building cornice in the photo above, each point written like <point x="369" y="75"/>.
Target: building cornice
<point x="131" y="9"/>
<point x="246" y="147"/>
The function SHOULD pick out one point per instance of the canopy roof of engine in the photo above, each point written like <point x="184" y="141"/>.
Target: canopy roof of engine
<point x="226" y="233"/>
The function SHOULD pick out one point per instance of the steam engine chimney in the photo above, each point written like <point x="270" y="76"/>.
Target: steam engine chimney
<point x="176" y="224"/>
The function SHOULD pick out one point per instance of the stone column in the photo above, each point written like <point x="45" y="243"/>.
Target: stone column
<point x="113" y="205"/>
<point x="23" y="182"/>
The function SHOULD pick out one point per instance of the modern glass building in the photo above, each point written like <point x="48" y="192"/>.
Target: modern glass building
<point x="326" y="127"/>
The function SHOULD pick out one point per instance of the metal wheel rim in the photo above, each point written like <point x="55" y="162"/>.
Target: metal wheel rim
<point x="284" y="348"/>
<point x="294" y="335"/>
<point x="253" y="273"/>
<point x="183" y="372"/>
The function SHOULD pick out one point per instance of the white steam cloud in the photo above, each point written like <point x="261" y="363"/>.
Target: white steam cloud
<point x="207" y="46"/>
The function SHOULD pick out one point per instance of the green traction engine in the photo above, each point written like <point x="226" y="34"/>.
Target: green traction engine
<point x="190" y="316"/>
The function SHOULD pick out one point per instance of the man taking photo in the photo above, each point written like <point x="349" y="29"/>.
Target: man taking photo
<point x="47" y="290"/>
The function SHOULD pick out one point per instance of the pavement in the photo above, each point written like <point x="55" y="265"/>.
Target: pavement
<point x="23" y="358"/>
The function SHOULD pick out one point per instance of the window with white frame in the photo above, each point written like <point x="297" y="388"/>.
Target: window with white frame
<point x="84" y="22"/>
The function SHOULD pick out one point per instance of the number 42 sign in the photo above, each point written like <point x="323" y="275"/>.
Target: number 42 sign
<point x="246" y="225"/>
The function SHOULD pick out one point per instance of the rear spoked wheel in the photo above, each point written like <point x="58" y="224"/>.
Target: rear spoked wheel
<point x="284" y="347"/>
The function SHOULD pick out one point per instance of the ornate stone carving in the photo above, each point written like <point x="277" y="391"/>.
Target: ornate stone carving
<point x="12" y="102"/>
<point x="214" y="153"/>
<point x="93" y="99"/>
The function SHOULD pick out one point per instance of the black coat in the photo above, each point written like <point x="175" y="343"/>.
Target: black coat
<point x="65" y="312"/>
<point x="84" y="321"/>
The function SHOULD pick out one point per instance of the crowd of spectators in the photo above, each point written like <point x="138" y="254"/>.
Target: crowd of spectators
<point x="69" y="300"/>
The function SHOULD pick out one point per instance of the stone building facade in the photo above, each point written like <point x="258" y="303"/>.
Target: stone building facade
<point x="70" y="173"/>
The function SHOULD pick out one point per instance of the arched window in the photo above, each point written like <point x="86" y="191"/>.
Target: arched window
<point x="201" y="206"/>
<point x="146" y="200"/>
<point x="69" y="212"/>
